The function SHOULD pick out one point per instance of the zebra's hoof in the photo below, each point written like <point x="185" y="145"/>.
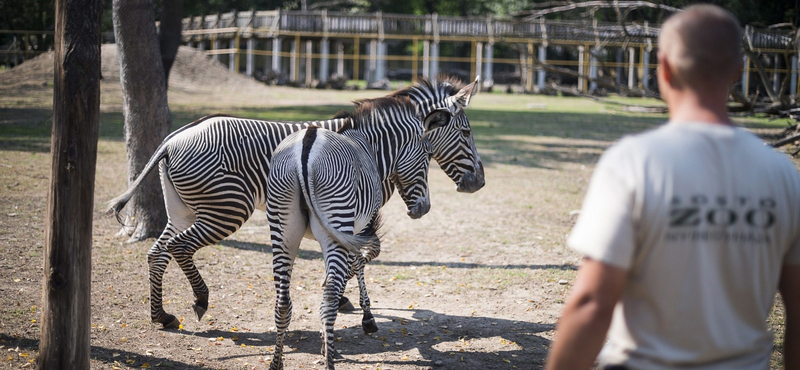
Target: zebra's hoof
<point x="199" y="310"/>
<point x="171" y="322"/>
<point x="337" y="357"/>
<point x="345" y="306"/>
<point x="276" y="366"/>
<point x="369" y="326"/>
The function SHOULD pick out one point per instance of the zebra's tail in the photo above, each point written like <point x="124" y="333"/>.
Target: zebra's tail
<point x="354" y="243"/>
<point x="116" y="205"/>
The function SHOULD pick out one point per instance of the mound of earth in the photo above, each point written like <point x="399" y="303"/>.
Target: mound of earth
<point x="192" y="71"/>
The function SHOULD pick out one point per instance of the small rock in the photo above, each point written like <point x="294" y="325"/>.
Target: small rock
<point x="438" y="363"/>
<point x="563" y="282"/>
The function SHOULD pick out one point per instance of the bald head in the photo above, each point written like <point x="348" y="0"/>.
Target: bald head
<point x="703" y="44"/>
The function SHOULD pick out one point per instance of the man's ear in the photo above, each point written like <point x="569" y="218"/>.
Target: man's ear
<point x="435" y="119"/>
<point x="463" y="96"/>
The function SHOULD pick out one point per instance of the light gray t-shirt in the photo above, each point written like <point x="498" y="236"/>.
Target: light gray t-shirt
<point x="703" y="217"/>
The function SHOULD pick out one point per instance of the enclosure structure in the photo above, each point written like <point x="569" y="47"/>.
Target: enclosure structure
<point x="303" y="47"/>
<point x="308" y="46"/>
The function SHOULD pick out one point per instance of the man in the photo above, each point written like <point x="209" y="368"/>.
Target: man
<point x="688" y="230"/>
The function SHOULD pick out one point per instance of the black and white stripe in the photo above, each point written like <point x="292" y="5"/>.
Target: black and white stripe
<point x="214" y="173"/>
<point x="330" y="183"/>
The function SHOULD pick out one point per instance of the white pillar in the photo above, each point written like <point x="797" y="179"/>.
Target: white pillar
<point x="487" y="65"/>
<point x="581" y="59"/>
<point x="478" y="57"/>
<point x="745" y="75"/>
<point x="426" y="58"/>
<point x="276" y="59"/>
<point x="339" y="58"/>
<point x="540" y="75"/>
<point x="324" y="50"/>
<point x="250" y="46"/>
<point x="380" y="61"/>
<point x="293" y="62"/>
<point x="434" y="59"/>
<point x="631" y="68"/>
<point x="309" y="63"/>
<point x="593" y="68"/>
<point x="216" y="47"/>
<point x="201" y="46"/>
<point x="645" y="69"/>
<point x="372" y="65"/>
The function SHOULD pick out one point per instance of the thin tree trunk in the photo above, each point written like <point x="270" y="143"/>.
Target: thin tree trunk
<point x="169" y="34"/>
<point x="67" y="285"/>
<point x="144" y="105"/>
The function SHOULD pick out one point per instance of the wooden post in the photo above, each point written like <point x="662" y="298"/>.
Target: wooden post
<point x="67" y="285"/>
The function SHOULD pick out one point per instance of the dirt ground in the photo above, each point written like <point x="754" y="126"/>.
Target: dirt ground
<point x="478" y="283"/>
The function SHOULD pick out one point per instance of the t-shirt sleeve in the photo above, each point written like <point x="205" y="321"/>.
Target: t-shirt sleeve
<point x="605" y="227"/>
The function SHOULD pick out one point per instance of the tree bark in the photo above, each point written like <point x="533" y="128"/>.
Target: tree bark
<point x="66" y="284"/>
<point x="144" y="105"/>
<point x="169" y="34"/>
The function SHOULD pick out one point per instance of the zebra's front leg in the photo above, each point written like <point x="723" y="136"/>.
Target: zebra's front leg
<point x="157" y="261"/>
<point x="336" y="271"/>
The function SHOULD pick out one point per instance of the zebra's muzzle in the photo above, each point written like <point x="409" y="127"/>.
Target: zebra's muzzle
<point x="472" y="181"/>
<point x="420" y="208"/>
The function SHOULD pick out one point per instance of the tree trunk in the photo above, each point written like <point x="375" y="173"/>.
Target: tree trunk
<point x="169" y="34"/>
<point x="144" y="105"/>
<point x="66" y="284"/>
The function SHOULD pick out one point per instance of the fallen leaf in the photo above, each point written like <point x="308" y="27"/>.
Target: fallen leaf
<point x="146" y="365"/>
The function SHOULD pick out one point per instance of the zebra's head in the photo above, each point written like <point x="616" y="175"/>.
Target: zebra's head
<point x="453" y="144"/>
<point x="413" y="160"/>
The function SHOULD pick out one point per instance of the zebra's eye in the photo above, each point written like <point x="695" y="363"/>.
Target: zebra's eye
<point x="466" y="132"/>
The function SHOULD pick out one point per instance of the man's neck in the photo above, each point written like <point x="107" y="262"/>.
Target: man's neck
<point x="690" y="108"/>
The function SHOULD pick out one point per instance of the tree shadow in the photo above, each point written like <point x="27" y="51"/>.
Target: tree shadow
<point x="435" y="339"/>
<point x="317" y="255"/>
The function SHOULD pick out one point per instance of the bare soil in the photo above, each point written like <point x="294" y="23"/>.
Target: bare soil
<point x="478" y="283"/>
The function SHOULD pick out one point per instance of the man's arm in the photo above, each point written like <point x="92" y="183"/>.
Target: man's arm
<point x="790" y="292"/>
<point x="582" y="327"/>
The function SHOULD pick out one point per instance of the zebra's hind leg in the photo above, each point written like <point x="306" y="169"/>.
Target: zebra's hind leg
<point x="183" y="247"/>
<point x="157" y="261"/>
<point x="287" y="225"/>
<point x="357" y="264"/>
<point x="336" y="270"/>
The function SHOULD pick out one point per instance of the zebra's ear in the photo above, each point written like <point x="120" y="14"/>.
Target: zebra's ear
<point x="463" y="96"/>
<point x="437" y="118"/>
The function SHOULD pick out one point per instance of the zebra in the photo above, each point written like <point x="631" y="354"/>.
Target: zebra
<point x="214" y="173"/>
<point x="329" y="185"/>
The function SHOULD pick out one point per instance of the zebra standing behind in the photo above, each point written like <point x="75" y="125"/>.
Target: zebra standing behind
<point x="329" y="185"/>
<point x="214" y="176"/>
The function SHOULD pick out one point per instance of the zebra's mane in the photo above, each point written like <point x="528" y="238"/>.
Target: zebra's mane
<point x="441" y="87"/>
<point x="364" y="108"/>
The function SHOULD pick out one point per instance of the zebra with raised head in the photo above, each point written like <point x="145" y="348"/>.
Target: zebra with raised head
<point x="214" y="174"/>
<point x="329" y="184"/>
